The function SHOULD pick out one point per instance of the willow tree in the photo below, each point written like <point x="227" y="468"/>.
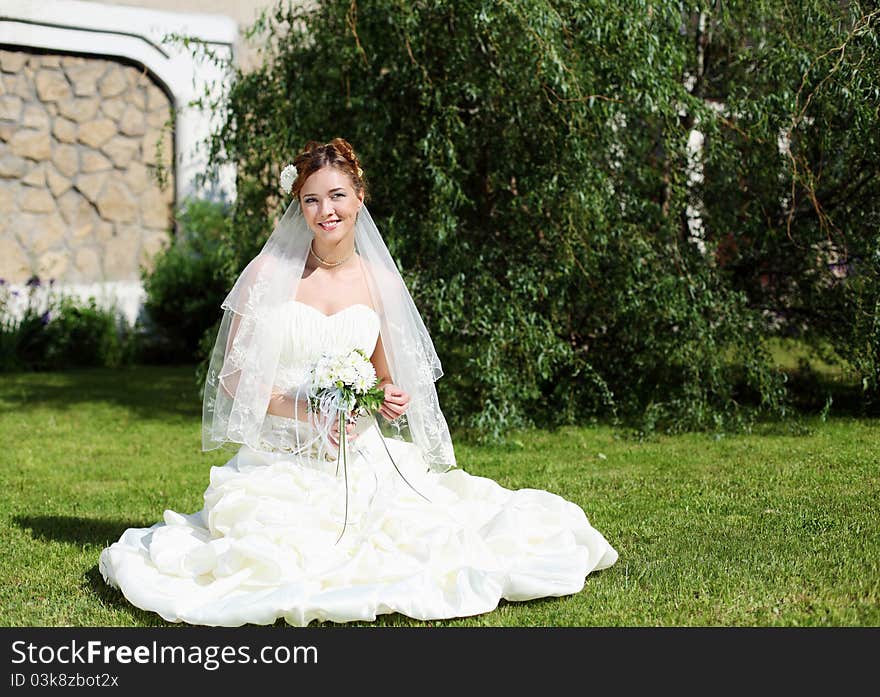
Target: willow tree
<point x="530" y="166"/>
<point x="792" y="185"/>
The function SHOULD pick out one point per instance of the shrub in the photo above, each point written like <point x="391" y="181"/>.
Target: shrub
<point x="83" y="335"/>
<point x="55" y="332"/>
<point x="186" y="286"/>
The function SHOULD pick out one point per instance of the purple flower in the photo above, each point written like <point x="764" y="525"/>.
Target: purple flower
<point x="2" y="281"/>
<point x="33" y="281"/>
<point x="44" y="320"/>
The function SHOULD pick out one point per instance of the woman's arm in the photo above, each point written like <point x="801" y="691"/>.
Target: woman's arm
<point x="280" y="403"/>
<point x="283" y="404"/>
<point x="396" y="400"/>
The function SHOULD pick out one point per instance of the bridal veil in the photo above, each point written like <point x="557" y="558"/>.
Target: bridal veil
<point x="244" y="365"/>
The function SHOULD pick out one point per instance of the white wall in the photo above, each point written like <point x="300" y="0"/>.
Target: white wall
<point x="244" y="12"/>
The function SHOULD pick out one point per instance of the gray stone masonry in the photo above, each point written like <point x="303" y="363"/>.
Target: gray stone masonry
<point x="80" y="139"/>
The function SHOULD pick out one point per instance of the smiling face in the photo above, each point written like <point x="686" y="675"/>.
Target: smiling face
<point x="330" y="204"/>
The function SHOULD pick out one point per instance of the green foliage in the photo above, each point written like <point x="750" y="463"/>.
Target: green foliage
<point x="530" y="168"/>
<point x="54" y="332"/>
<point x="21" y="336"/>
<point x="791" y="196"/>
<point x="83" y="335"/>
<point x="186" y="285"/>
<point x="857" y="338"/>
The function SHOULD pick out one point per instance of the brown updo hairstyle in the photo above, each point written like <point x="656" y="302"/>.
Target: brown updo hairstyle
<point x="337" y="153"/>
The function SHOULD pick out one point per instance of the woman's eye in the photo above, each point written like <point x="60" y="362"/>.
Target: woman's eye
<point x="338" y="195"/>
<point x="309" y="200"/>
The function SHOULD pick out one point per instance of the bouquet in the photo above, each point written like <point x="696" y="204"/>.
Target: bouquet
<point x="342" y="384"/>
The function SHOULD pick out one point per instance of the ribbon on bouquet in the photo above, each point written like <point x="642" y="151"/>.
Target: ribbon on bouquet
<point x="326" y="402"/>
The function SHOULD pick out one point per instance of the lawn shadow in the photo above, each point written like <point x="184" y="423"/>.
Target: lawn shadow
<point x="91" y="531"/>
<point x="74" y="530"/>
<point x="109" y="595"/>
<point x="148" y="391"/>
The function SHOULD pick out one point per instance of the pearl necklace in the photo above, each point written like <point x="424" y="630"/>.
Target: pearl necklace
<point x="331" y="264"/>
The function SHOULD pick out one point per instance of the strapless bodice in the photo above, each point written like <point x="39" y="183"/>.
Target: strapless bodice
<point x="306" y="333"/>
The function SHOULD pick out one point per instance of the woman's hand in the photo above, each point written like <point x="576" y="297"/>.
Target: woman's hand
<point x="333" y="435"/>
<point x="396" y="402"/>
<point x="350" y="425"/>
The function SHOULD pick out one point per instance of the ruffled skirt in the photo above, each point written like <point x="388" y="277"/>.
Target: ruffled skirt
<point x="430" y="546"/>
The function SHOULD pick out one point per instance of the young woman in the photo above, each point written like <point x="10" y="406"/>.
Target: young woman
<point x="285" y="532"/>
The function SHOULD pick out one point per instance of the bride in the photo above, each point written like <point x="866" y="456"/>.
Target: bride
<point x="284" y="531"/>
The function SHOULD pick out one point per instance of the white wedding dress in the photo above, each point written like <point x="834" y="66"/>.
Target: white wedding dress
<point x="264" y="545"/>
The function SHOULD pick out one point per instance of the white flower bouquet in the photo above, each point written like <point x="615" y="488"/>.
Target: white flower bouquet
<point x="344" y="382"/>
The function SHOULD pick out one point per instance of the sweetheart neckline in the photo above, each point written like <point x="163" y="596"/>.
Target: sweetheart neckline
<point x="338" y="312"/>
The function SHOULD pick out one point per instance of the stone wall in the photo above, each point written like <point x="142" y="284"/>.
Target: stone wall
<point x="80" y="140"/>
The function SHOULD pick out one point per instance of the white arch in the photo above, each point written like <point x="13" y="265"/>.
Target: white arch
<point x="136" y="34"/>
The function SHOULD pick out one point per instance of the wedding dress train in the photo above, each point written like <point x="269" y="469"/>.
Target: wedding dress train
<point x="432" y="546"/>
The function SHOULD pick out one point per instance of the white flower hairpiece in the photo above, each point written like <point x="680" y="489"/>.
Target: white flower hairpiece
<point x="288" y="176"/>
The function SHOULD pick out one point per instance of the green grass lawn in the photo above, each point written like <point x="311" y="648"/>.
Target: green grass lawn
<point x="778" y="527"/>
